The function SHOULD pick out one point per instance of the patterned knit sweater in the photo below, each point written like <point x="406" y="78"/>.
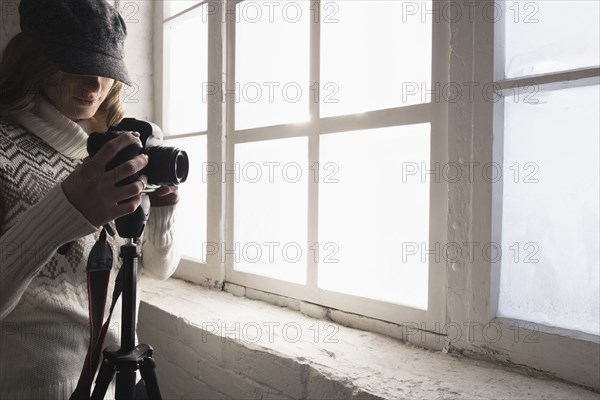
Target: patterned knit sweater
<point x="44" y="322"/>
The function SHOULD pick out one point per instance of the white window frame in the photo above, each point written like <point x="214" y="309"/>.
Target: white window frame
<point x="474" y="293"/>
<point x="211" y="272"/>
<point x="468" y="291"/>
<point x="432" y="112"/>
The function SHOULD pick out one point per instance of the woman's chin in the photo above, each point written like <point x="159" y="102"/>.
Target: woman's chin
<point x="79" y="113"/>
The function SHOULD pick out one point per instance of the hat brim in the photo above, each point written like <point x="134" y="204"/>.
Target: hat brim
<point x="86" y="62"/>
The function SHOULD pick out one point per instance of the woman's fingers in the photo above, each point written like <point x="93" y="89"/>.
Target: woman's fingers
<point x="127" y="207"/>
<point x="165" y="190"/>
<point x="92" y="190"/>
<point x="110" y="149"/>
<point x="129" y="168"/>
<point x="165" y="196"/>
<point x="133" y="189"/>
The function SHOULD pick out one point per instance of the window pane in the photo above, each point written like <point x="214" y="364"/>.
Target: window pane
<point x="550" y="36"/>
<point x="191" y="209"/>
<point x="271" y="208"/>
<point x="374" y="55"/>
<point x="176" y="6"/>
<point x="373" y="216"/>
<point x="550" y="267"/>
<point x="271" y="63"/>
<point x="188" y="72"/>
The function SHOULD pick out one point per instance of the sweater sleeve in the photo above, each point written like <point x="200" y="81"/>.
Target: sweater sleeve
<point x="30" y="243"/>
<point x="160" y="255"/>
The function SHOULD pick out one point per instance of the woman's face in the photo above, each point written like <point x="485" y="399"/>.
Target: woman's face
<point x="78" y="96"/>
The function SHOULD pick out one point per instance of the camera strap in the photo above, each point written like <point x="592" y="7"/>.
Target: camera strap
<point x="99" y="265"/>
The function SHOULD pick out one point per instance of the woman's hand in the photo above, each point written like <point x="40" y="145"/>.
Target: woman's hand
<point x="91" y="189"/>
<point x="164" y="196"/>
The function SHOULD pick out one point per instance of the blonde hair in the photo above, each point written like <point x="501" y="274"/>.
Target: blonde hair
<point x="25" y="71"/>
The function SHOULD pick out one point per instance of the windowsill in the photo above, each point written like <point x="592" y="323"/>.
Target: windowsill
<point x="216" y="339"/>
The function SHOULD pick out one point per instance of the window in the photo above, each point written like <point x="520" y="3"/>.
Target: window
<point x="399" y="160"/>
<point x="185" y="114"/>
<point x="324" y="144"/>
<point x="534" y="197"/>
<point x="551" y="175"/>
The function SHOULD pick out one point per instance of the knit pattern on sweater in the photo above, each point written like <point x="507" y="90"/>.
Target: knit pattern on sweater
<point x="53" y="311"/>
<point x="30" y="169"/>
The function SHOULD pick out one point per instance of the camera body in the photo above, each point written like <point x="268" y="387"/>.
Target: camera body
<point x="167" y="166"/>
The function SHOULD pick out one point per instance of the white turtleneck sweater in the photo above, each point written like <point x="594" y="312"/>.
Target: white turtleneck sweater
<point x="44" y="321"/>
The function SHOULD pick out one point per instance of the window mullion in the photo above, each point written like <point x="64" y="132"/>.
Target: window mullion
<point x="551" y="81"/>
<point x="166" y="73"/>
<point x="229" y="99"/>
<point x="313" y="147"/>
<point x="186" y="135"/>
<point x="271" y="132"/>
<point x="408" y="115"/>
<point x="216" y="141"/>
<point x="185" y="12"/>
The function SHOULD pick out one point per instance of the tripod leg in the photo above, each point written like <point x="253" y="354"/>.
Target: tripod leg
<point x="125" y="388"/>
<point x="147" y="369"/>
<point x="107" y="370"/>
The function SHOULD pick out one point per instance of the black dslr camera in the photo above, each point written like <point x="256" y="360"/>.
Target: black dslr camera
<point x="167" y="166"/>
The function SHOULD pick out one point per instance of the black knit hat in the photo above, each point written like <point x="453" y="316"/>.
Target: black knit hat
<point x="81" y="37"/>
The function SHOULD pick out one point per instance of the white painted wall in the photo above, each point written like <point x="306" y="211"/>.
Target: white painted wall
<point x="138" y="16"/>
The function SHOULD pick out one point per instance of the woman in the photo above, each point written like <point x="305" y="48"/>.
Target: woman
<point x="61" y="79"/>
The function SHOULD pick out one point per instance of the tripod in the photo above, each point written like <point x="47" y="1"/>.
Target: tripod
<point x="128" y="358"/>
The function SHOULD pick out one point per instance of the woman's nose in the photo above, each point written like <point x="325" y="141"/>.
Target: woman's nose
<point x="92" y="85"/>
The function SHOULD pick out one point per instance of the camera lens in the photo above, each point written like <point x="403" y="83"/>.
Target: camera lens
<point x="182" y="166"/>
<point x="167" y="166"/>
